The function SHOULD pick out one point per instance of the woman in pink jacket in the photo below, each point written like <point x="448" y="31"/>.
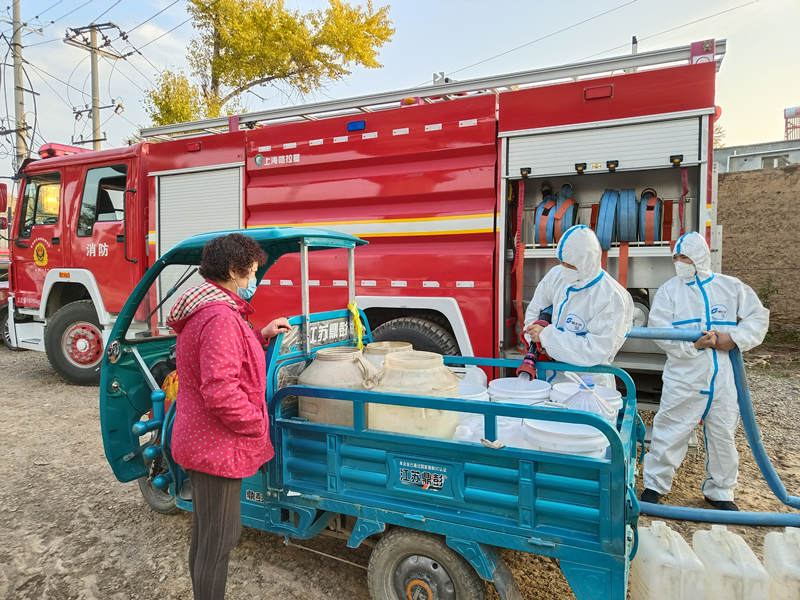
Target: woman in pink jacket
<point x="221" y="431"/>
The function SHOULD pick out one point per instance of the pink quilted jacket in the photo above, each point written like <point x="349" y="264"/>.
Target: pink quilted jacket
<point x="221" y="424"/>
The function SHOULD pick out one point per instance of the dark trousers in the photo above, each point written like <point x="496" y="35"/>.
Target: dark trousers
<point x="216" y="527"/>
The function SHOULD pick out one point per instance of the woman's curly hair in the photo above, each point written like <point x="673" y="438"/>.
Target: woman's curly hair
<point x="233" y="252"/>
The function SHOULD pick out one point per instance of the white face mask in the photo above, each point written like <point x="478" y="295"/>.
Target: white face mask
<point x="685" y="271"/>
<point x="570" y="276"/>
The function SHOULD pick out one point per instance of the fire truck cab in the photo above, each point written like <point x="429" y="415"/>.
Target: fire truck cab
<point x="463" y="190"/>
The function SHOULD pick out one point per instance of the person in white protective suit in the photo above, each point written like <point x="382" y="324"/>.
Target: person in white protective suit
<point x="591" y="313"/>
<point x="698" y="377"/>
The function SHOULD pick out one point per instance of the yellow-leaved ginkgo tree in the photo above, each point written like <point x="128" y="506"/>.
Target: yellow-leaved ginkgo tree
<point x="243" y="44"/>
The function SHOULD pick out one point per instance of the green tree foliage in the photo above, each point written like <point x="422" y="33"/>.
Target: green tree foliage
<point x="242" y="44"/>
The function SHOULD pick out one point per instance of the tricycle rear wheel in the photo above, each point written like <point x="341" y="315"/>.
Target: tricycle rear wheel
<point x="411" y="565"/>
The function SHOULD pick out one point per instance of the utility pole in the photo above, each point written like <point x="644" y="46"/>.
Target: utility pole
<point x="76" y="36"/>
<point x="19" y="98"/>
<point x="95" y="91"/>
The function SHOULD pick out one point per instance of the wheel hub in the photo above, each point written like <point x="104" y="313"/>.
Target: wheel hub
<point x="422" y="578"/>
<point x="83" y="344"/>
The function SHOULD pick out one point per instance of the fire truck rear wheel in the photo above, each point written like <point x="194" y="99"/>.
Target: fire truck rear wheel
<point x="422" y="334"/>
<point x="73" y="340"/>
<point x="409" y="564"/>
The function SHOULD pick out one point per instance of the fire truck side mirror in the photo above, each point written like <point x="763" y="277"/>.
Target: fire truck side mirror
<point x="3" y="197"/>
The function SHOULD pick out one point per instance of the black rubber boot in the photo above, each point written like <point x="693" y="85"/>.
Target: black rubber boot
<point x="651" y="496"/>
<point x="722" y="504"/>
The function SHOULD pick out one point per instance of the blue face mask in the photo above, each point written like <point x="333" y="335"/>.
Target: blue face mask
<point x="248" y="292"/>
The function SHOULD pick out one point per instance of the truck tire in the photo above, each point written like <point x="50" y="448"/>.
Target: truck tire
<point x="411" y="564"/>
<point x="423" y="334"/>
<point x="160" y="501"/>
<point x="4" y="329"/>
<point x="73" y="341"/>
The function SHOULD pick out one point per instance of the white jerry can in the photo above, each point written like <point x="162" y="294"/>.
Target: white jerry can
<point x="665" y="566"/>
<point x="732" y="570"/>
<point x="782" y="561"/>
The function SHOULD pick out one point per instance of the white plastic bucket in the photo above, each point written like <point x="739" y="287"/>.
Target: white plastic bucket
<point x="470" y="373"/>
<point x="564" y="438"/>
<point x="605" y="401"/>
<point x="515" y="390"/>
<point x="468" y="390"/>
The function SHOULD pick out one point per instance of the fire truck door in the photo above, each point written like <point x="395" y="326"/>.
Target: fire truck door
<point x="99" y="241"/>
<point x="37" y="241"/>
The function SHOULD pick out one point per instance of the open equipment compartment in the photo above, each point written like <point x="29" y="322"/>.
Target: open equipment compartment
<point x="634" y="131"/>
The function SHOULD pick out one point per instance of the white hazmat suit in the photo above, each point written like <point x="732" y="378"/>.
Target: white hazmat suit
<point x="592" y="313"/>
<point x="698" y="384"/>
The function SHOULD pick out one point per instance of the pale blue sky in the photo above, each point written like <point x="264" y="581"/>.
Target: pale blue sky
<point x="759" y="75"/>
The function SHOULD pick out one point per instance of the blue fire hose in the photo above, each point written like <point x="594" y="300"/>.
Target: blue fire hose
<point x="607" y="217"/>
<point x="753" y="438"/>
<point x="627" y="216"/>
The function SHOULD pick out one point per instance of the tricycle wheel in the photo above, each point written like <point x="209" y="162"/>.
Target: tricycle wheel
<point x="411" y="565"/>
<point x="159" y="500"/>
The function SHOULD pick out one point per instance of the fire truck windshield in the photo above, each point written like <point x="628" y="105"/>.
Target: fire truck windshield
<point x="40" y="202"/>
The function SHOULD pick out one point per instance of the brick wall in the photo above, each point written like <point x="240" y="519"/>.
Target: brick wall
<point x="760" y="216"/>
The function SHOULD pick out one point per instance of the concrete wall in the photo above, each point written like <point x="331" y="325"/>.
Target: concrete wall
<point x="753" y="156"/>
<point x="760" y="216"/>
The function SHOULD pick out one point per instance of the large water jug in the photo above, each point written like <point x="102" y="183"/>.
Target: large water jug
<point x="665" y="566"/>
<point x="782" y="561"/>
<point x="732" y="570"/>
<point x="339" y="367"/>
<point x="375" y="352"/>
<point x="420" y="373"/>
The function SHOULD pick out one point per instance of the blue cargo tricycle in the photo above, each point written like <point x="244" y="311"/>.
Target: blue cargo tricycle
<point x="439" y="509"/>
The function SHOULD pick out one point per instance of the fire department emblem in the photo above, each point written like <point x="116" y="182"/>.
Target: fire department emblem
<point x="40" y="255"/>
<point x="258" y="159"/>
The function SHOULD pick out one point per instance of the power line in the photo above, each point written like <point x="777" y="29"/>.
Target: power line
<point x="165" y="33"/>
<point x="131" y="80"/>
<point x="102" y="14"/>
<point x="544" y="37"/>
<point x="52" y="6"/>
<point x="671" y="29"/>
<point x="539" y="39"/>
<point x="27" y="62"/>
<point x="151" y="18"/>
<point x="77" y="8"/>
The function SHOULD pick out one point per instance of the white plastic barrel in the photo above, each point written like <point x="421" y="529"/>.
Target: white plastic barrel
<point x="375" y="352"/>
<point x="515" y="390"/>
<point x="415" y="372"/>
<point x="782" y="562"/>
<point x="665" y="566"/>
<point x="732" y="571"/>
<point x="471" y="373"/>
<point x="564" y="438"/>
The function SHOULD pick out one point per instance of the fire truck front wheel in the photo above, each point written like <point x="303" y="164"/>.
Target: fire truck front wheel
<point x="423" y="334"/>
<point x="74" y="343"/>
<point x="4" y="328"/>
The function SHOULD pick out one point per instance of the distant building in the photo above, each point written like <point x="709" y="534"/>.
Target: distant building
<point x="769" y="155"/>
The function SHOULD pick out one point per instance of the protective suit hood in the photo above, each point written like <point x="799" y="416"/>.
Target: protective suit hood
<point x="580" y="248"/>
<point x="694" y="246"/>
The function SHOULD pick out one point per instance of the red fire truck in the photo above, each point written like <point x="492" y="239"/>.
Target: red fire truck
<point x="462" y="189"/>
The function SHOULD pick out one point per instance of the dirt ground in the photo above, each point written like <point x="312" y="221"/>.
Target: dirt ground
<point x="71" y="531"/>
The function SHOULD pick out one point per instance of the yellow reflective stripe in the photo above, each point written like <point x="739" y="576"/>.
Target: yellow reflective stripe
<point x="361" y="221"/>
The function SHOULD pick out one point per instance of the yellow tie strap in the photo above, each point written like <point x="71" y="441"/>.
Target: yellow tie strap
<point x="358" y="325"/>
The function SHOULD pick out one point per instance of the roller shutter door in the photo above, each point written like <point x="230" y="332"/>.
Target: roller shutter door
<point x="193" y="203"/>
<point x="637" y="146"/>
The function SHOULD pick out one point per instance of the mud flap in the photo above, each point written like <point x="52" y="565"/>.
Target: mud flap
<point x="488" y="564"/>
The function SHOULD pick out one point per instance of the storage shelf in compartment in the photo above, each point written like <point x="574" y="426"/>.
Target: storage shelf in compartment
<point x="636" y="249"/>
